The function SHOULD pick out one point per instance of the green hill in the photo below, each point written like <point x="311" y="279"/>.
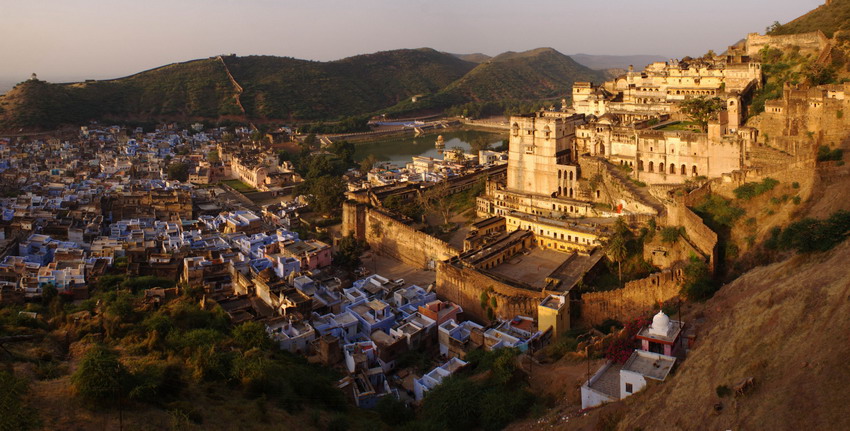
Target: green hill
<point x="828" y="18"/>
<point x="281" y="88"/>
<point x="537" y="74"/>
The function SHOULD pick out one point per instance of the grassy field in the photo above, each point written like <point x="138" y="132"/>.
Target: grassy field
<point x="239" y="186"/>
<point x="683" y="126"/>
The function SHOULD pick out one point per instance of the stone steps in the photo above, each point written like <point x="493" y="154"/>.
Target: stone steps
<point x="625" y="180"/>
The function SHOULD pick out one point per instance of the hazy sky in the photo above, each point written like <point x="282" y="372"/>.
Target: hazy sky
<point x="77" y="39"/>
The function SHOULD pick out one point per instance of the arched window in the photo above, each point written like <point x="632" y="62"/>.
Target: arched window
<point x="559" y="175"/>
<point x="672" y="168"/>
<point x="597" y="193"/>
<point x="571" y="175"/>
<point x="651" y="167"/>
<point x="640" y="165"/>
<point x="661" y="168"/>
<point x="694" y="170"/>
<point x="571" y="193"/>
<point x="684" y="170"/>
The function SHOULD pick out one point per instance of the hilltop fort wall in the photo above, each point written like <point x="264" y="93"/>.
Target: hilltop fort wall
<point x="636" y="298"/>
<point x="808" y="42"/>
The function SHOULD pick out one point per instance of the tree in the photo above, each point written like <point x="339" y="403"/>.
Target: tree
<point x="348" y="252"/>
<point x="773" y="28"/>
<point x="435" y="199"/>
<point x="698" y="284"/>
<point x="345" y="151"/>
<point x="178" y="171"/>
<point x="101" y="377"/>
<point x="406" y="207"/>
<point x="213" y="157"/>
<point x="701" y="109"/>
<point x="367" y="164"/>
<point x="251" y="335"/>
<point x="325" y="194"/>
<point x="617" y="252"/>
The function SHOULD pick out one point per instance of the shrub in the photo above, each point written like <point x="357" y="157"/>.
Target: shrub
<point x="750" y="190"/>
<point x="100" y="378"/>
<point x="698" y="284"/>
<point x="826" y="155"/>
<point x="671" y="234"/>
<point x="16" y="415"/>
<point x="250" y="335"/>
<point x="723" y="391"/>
<point x="718" y="212"/>
<point x="811" y="235"/>
<point x="795" y="185"/>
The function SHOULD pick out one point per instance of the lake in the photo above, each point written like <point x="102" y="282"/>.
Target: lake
<point x="399" y="150"/>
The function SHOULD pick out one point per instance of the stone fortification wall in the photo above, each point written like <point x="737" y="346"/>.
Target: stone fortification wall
<point x="698" y="234"/>
<point x="805" y="118"/>
<point x="392" y="237"/>
<point x="814" y="42"/>
<point x="633" y="300"/>
<point x="465" y="286"/>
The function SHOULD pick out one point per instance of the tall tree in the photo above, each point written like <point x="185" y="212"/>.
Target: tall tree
<point x="702" y="109"/>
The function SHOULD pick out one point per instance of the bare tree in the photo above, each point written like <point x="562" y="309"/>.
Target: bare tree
<point x="436" y="199"/>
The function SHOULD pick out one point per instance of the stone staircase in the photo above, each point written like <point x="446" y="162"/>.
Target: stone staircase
<point x="766" y="157"/>
<point x="642" y="193"/>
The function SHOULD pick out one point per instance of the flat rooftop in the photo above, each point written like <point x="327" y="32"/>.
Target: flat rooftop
<point x="532" y="268"/>
<point x="651" y="365"/>
<point x="609" y="382"/>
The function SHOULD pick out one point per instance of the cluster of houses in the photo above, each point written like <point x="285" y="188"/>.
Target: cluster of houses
<point x="425" y="169"/>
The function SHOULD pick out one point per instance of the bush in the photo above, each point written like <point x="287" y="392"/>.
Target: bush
<point x="827" y="155"/>
<point x="100" y="378"/>
<point x="698" y="284"/>
<point x="723" y="391"/>
<point x="811" y="235"/>
<point x="251" y="335"/>
<point x="14" y="413"/>
<point x="751" y="190"/>
<point x="718" y="212"/>
<point x="671" y="234"/>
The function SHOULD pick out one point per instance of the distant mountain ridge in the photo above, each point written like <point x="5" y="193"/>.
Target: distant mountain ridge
<point x="282" y="88"/>
<point x="595" y="62"/>
<point x="604" y="62"/>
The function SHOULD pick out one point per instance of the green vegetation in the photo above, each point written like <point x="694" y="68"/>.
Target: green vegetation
<point x="239" y="186"/>
<point x="685" y="126"/>
<point x="723" y="391"/>
<point x="811" y="235"/>
<point x="752" y="189"/>
<point x="336" y="96"/>
<point x="825" y="154"/>
<point x="718" y="212"/>
<point x="671" y="234"/>
<point x="15" y="413"/>
<point x="828" y="19"/>
<point x="348" y="252"/>
<point x="489" y="396"/>
<point x="702" y="109"/>
<point x="406" y="207"/>
<point x="698" y="285"/>
<point x="790" y="67"/>
<point x="178" y="171"/>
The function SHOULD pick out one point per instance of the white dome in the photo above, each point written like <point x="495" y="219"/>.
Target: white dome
<point x="660" y="324"/>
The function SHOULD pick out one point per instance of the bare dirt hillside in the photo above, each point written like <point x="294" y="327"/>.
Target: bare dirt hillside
<point x="787" y="326"/>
